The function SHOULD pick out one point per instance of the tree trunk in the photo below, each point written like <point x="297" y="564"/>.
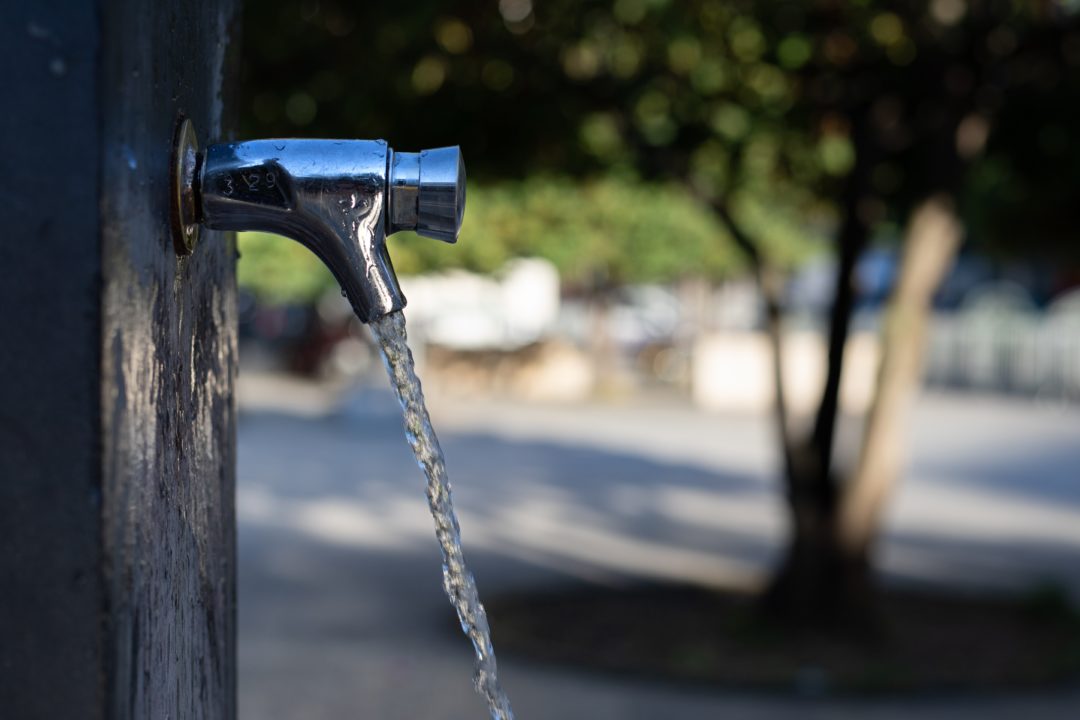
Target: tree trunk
<point x="933" y="239"/>
<point x="825" y="580"/>
<point x="854" y="236"/>
<point x="815" y="583"/>
<point x="770" y="282"/>
<point x="815" y="579"/>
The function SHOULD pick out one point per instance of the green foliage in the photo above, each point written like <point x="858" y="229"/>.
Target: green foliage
<point x="608" y="230"/>
<point x="278" y="270"/>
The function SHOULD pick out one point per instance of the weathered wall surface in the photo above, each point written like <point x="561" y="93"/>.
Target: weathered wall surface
<point x="168" y="370"/>
<point x="117" y="421"/>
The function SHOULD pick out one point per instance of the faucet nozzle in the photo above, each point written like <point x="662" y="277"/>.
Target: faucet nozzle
<point x="427" y="193"/>
<point x="340" y="198"/>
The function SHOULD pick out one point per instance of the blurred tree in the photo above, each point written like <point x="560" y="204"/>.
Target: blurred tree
<point x="784" y="118"/>
<point x="918" y="89"/>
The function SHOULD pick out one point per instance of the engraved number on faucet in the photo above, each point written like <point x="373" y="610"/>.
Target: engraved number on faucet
<point x="251" y="181"/>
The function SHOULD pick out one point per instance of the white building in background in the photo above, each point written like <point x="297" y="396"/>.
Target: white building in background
<point x="465" y="311"/>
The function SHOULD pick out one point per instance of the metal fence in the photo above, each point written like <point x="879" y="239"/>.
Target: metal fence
<point x="1000" y="341"/>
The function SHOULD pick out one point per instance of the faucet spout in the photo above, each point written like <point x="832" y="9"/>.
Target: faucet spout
<point x="341" y="199"/>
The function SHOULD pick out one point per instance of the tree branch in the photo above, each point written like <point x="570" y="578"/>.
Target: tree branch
<point x="769" y="282"/>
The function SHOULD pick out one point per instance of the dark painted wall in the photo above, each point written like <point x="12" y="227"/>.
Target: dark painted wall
<point x="117" y="366"/>
<point x="51" y="589"/>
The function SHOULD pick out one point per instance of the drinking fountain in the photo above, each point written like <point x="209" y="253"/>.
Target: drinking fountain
<point x="339" y="198"/>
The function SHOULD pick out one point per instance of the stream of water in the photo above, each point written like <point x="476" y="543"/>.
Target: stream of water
<point x="458" y="582"/>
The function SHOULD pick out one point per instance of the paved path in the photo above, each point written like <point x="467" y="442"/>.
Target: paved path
<point x="342" y="616"/>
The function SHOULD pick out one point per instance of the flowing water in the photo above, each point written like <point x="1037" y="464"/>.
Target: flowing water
<point x="458" y="582"/>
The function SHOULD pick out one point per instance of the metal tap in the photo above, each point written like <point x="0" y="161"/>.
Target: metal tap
<point x="340" y="198"/>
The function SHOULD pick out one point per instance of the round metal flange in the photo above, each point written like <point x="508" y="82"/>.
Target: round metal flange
<point x="184" y="212"/>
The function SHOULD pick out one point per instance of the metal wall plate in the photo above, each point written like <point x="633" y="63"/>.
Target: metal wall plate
<point x="183" y="213"/>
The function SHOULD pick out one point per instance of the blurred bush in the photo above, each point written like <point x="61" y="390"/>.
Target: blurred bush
<point x="609" y="230"/>
<point x="280" y="271"/>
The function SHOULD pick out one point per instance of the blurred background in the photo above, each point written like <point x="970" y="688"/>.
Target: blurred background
<point x="757" y="363"/>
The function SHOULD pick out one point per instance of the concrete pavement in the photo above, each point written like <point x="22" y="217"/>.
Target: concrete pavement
<point x="341" y="611"/>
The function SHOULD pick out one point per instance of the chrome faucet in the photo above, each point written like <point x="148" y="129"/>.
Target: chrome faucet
<point x="340" y="198"/>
